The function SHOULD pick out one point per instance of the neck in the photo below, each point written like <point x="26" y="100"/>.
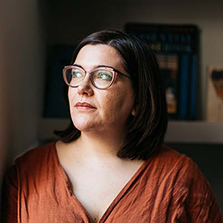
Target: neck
<point x="100" y="145"/>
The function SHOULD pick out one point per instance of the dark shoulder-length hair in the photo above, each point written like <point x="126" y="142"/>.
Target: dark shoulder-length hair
<point x="145" y="130"/>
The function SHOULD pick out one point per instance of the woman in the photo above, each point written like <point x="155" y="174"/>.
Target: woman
<point x="110" y="164"/>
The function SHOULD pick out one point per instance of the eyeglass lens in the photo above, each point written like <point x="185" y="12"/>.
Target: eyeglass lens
<point x="100" y="78"/>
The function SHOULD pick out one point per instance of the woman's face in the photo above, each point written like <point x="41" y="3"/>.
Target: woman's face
<point x="98" y="110"/>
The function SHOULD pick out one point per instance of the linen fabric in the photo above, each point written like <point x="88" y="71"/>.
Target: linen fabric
<point x="167" y="188"/>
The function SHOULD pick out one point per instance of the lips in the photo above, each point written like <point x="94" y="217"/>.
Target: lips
<point x="84" y="105"/>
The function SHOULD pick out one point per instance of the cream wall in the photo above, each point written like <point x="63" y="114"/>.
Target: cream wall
<point x="21" y="76"/>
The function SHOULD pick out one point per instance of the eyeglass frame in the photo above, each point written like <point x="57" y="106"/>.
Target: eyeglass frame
<point x="113" y="70"/>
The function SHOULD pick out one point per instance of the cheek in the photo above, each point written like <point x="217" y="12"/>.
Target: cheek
<point x="112" y="102"/>
<point x="117" y="105"/>
<point x="71" y="94"/>
<point x="71" y="100"/>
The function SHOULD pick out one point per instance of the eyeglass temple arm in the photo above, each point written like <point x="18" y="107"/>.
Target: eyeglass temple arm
<point x="122" y="73"/>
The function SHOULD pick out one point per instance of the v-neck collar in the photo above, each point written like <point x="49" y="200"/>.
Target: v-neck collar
<point x="115" y="201"/>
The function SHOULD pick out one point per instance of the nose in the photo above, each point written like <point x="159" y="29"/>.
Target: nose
<point x="85" y="87"/>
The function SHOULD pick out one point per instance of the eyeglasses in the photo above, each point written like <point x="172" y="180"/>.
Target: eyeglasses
<point x="101" y="78"/>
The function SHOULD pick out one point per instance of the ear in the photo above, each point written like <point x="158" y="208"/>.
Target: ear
<point x="133" y="113"/>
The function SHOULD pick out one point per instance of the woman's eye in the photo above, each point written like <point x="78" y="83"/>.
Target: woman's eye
<point x="76" y="74"/>
<point x="104" y="76"/>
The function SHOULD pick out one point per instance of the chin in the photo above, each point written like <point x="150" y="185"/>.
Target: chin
<point x="82" y="124"/>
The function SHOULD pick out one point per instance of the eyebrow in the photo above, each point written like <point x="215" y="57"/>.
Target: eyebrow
<point x="95" y="66"/>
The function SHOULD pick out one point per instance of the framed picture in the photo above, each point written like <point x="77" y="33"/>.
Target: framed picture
<point x="215" y="94"/>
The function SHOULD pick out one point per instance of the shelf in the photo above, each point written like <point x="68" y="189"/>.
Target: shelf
<point x="178" y="131"/>
<point x="194" y="132"/>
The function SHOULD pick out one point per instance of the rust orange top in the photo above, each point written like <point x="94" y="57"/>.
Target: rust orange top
<point x="167" y="188"/>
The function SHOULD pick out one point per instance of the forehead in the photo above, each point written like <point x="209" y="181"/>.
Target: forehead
<point x="94" y="55"/>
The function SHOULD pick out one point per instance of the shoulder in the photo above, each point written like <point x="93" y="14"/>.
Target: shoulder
<point x="188" y="188"/>
<point x="173" y="161"/>
<point x="36" y="156"/>
<point x="177" y="172"/>
<point x="36" y="166"/>
<point x="36" y="163"/>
